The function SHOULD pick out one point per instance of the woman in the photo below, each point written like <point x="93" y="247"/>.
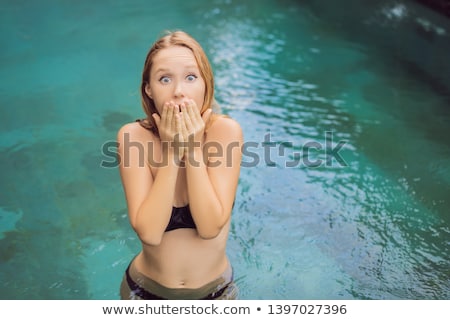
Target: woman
<point x="180" y="169"/>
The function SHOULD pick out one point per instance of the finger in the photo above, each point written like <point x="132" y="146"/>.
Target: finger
<point x="187" y="119"/>
<point x="206" y="115"/>
<point x="183" y="126"/>
<point x="178" y="122"/>
<point x="157" y="119"/>
<point x="164" y="114"/>
<point x="178" y="134"/>
<point x="194" y="113"/>
<point x="184" y="123"/>
<point x="169" y="119"/>
<point x="176" y="113"/>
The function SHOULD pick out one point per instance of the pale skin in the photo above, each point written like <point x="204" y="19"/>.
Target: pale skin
<point x="181" y="258"/>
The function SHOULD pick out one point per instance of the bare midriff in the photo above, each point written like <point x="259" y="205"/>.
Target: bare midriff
<point x="183" y="259"/>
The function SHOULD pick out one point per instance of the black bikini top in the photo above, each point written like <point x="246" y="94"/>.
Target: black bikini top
<point x="181" y="218"/>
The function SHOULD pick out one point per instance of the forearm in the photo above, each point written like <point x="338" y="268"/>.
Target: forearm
<point x="154" y="213"/>
<point x="206" y="208"/>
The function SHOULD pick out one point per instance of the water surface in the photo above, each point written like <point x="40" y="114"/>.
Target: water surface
<point x="374" y="78"/>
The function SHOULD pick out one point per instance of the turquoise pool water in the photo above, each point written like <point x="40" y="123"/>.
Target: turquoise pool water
<point x="374" y="79"/>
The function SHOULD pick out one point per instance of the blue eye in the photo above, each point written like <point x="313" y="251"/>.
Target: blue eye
<point x="191" y="77"/>
<point x="165" y="80"/>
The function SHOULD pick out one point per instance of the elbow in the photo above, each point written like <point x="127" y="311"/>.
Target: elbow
<point x="213" y="221"/>
<point x="209" y="234"/>
<point x="149" y="238"/>
<point x="211" y="231"/>
<point x="151" y="241"/>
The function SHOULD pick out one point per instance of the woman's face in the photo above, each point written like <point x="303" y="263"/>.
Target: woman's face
<point x="175" y="76"/>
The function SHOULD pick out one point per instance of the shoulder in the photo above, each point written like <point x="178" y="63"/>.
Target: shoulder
<point x="225" y="127"/>
<point x="134" y="131"/>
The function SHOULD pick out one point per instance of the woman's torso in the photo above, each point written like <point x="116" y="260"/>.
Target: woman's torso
<point x="183" y="259"/>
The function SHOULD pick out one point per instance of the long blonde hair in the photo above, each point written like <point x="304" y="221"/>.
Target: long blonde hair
<point x="177" y="38"/>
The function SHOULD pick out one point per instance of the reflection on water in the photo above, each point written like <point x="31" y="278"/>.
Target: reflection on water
<point x="376" y="226"/>
<point x="380" y="224"/>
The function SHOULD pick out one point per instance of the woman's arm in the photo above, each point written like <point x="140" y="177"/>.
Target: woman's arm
<point x="212" y="181"/>
<point x="149" y="199"/>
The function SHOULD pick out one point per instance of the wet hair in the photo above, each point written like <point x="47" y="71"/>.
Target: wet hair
<point x="176" y="38"/>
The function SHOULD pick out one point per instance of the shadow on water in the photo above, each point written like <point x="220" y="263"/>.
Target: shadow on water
<point x="39" y="247"/>
<point x="56" y="219"/>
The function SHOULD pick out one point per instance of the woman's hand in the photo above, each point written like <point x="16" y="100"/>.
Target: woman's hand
<point x="193" y="126"/>
<point x="170" y="127"/>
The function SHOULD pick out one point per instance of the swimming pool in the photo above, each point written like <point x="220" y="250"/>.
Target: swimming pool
<point x="369" y="220"/>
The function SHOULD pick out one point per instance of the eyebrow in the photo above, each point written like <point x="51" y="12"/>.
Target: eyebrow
<point x="163" y="70"/>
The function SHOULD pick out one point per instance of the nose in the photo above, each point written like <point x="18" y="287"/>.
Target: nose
<point x="178" y="90"/>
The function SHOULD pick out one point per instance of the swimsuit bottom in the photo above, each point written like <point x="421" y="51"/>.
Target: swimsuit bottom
<point x="137" y="286"/>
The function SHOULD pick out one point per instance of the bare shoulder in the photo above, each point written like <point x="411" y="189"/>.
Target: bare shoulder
<point x="133" y="131"/>
<point x="225" y="128"/>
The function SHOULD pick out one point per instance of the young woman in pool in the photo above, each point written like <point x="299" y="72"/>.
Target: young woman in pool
<point x="180" y="169"/>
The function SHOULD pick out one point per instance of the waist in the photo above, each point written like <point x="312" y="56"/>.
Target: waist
<point x="147" y="288"/>
<point x="183" y="258"/>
